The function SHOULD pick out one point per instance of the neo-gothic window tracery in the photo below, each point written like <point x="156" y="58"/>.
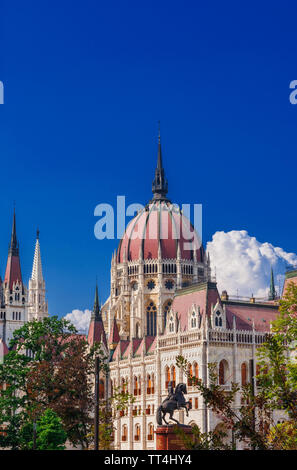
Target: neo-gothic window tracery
<point x="218" y="319"/>
<point x="169" y="284"/>
<point x="151" y="319"/>
<point x="151" y="284"/>
<point x="194" y="320"/>
<point x="171" y="324"/>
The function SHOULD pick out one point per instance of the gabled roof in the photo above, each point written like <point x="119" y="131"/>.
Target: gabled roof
<point x="202" y="295"/>
<point x="246" y="314"/>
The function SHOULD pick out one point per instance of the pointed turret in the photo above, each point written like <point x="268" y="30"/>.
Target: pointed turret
<point x="114" y="337"/>
<point x="96" y="314"/>
<point x="13" y="268"/>
<point x="38" y="308"/>
<point x="160" y="183"/>
<point x="37" y="266"/>
<point x="96" y="329"/>
<point x="272" y="293"/>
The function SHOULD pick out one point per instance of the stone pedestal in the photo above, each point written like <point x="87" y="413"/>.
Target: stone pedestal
<point x="168" y="439"/>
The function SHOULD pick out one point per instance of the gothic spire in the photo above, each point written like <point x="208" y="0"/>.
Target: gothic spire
<point x="160" y="183"/>
<point x="272" y="293"/>
<point x="96" y="309"/>
<point x="14" y="246"/>
<point x="96" y="332"/>
<point x="13" y="266"/>
<point x="37" y="266"/>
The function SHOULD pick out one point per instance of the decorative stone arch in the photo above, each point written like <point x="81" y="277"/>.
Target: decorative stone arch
<point x="193" y="424"/>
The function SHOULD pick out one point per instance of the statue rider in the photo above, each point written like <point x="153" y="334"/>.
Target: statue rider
<point x="171" y="395"/>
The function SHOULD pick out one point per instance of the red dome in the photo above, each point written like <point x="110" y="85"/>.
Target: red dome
<point x="164" y="222"/>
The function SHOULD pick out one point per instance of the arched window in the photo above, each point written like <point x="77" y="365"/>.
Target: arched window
<point x="151" y="319"/>
<point x="149" y="385"/>
<point x="223" y="369"/>
<point x="190" y="374"/>
<point x="139" y="385"/>
<point x="153" y="384"/>
<point x="196" y="370"/>
<point x="173" y="376"/>
<point x="193" y="320"/>
<point x="171" y="324"/>
<point x="222" y="373"/>
<point x="218" y="319"/>
<point x="243" y="374"/>
<point x="135" y="385"/>
<point x="167" y="377"/>
<point x="137" y="330"/>
<point x="101" y="388"/>
<point x="137" y="432"/>
<point x="150" y="433"/>
<point x="124" y="432"/>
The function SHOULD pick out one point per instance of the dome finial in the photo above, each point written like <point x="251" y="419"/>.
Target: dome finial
<point x="160" y="183"/>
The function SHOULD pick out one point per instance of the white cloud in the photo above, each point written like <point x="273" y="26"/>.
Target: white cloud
<point x="80" y="319"/>
<point x="242" y="263"/>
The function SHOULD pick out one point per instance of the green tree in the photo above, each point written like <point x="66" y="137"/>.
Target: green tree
<point x="58" y="373"/>
<point x="50" y="434"/>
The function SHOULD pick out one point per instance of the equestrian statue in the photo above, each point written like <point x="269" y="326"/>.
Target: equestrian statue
<point x="174" y="401"/>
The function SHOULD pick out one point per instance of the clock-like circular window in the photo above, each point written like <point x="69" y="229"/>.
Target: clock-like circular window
<point x="151" y="285"/>
<point x="169" y="284"/>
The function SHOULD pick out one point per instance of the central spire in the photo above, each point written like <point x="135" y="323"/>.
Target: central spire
<point x="160" y="183"/>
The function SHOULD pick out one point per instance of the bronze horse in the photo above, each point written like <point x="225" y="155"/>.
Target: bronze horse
<point x="174" y="401"/>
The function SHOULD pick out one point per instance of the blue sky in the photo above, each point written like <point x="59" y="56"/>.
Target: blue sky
<point x="85" y="84"/>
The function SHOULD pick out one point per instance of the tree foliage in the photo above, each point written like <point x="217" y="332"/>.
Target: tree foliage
<point x="50" y="434"/>
<point x="58" y="373"/>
